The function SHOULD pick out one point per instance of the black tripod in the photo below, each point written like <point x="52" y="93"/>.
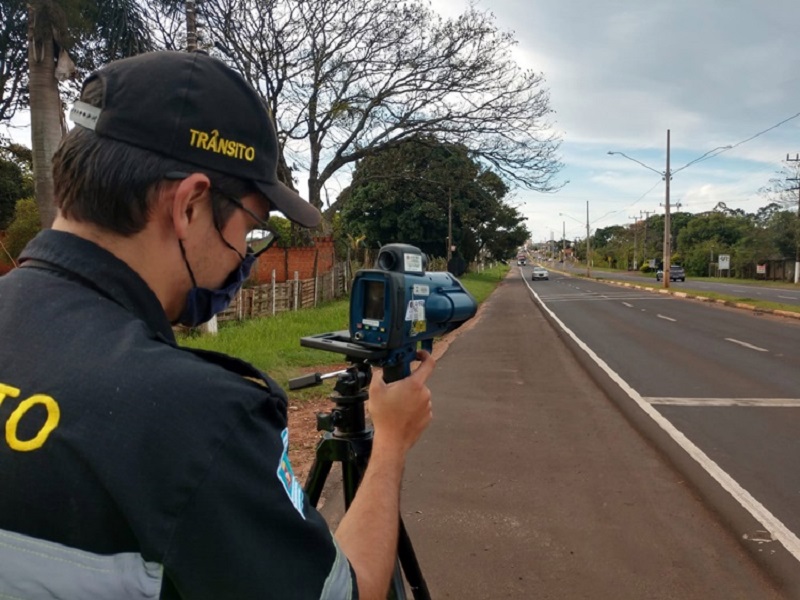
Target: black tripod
<point x="348" y="440"/>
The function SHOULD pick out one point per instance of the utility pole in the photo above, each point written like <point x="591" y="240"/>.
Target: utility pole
<point x="449" y="226"/>
<point x="797" y="234"/>
<point x="563" y="241"/>
<point x="667" y="226"/>
<point x="646" y="214"/>
<point x="588" y="245"/>
<point x="635" y="223"/>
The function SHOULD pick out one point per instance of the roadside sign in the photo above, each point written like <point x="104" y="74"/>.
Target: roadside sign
<point x="724" y="262"/>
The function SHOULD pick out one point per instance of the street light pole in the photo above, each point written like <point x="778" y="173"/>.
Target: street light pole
<point x="575" y="241"/>
<point x="666" y="175"/>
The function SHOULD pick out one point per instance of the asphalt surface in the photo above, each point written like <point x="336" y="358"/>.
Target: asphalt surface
<point x="530" y="483"/>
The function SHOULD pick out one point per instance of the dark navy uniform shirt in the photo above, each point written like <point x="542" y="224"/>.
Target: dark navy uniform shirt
<point x="131" y="467"/>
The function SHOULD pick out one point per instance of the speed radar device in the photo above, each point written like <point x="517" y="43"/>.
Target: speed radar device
<point x="396" y="308"/>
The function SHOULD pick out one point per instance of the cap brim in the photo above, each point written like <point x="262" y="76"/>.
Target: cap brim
<point x="290" y="203"/>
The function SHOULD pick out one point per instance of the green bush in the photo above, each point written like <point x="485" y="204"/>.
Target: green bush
<point x="23" y="227"/>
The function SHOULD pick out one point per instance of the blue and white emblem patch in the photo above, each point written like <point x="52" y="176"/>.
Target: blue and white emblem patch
<point x="286" y="476"/>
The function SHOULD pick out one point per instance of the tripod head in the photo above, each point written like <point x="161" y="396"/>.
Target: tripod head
<point x="347" y="419"/>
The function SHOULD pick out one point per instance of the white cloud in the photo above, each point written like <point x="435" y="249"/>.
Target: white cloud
<point x="621" y="74"/>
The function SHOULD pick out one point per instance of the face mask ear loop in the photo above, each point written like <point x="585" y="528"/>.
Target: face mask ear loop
<point x="219" y="229"/>
<point x="186" y="262"/>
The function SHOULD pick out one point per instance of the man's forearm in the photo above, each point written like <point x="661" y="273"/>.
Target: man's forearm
<point x="368" y="532"/>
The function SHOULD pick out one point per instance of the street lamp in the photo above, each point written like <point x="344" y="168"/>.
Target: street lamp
<point x="667" y="176"/>
<point x="588" y="241"/>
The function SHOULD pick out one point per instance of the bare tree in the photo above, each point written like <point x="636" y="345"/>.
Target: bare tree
<point x="784" y="187"/>
<point x="346" y="78"/>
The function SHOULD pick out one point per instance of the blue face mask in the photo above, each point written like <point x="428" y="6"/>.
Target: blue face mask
<point x="202" y="303"/>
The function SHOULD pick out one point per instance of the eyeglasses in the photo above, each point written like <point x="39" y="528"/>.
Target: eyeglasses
<point x="258" y="240"/>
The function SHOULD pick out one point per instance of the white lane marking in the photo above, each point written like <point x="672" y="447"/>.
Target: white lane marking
<point x="746" y="345"/>
<point x="628" y="304"/>
<point x="667" y="318"/>
<point x="788" y="297"/>
<point x="759" y="402"/>
<point x="586" y="298"/>
<point x="770" y="522"/>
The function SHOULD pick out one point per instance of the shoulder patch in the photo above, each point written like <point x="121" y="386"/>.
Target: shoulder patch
<point x="286" y="476"/>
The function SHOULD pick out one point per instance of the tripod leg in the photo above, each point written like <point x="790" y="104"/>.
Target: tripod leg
<point x="408" y="560"/>
<point x="316" y="480"/>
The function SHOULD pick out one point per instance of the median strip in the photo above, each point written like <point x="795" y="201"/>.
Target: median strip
<point x="757" y="402"/>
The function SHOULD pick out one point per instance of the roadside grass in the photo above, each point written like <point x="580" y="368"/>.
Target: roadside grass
<point x="272" y="344"/>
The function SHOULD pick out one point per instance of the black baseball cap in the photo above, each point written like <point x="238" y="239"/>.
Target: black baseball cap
<point x="194" y="108"/>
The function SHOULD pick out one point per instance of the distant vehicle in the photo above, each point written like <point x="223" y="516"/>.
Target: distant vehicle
<point x="540" y="273"/>
<point x="521" y="262"/>
<point x="676" y="273"/>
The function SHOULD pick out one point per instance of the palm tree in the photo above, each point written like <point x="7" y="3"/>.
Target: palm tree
<point x="60" y="32"/>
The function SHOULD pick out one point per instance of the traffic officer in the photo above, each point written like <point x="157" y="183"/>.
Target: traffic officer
<point x="135" y="468"/>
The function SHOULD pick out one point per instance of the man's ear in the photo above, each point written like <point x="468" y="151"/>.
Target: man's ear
<point x="190" y="195"/>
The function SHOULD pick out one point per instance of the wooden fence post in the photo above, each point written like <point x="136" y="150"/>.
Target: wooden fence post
<point x="273" y="292"/>
<point x="296" y="290"/>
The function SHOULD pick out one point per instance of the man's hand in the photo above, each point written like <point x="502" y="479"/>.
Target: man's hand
<point x="401" y="410"/>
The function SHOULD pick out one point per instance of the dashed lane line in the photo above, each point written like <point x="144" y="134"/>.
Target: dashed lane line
<point x="746" y="345"/>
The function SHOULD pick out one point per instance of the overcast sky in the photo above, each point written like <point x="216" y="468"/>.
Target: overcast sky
<point x="623" y="72"/>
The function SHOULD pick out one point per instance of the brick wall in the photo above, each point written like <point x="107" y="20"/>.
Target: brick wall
<point x="285" y="261"/>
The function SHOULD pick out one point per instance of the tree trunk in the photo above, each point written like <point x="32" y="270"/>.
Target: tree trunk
<point x="45" y="107"/>
<point x="191" y="26"/>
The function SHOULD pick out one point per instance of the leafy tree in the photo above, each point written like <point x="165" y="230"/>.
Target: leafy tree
<point x="349" y="78"/>
<point x="504" y="233"/>
<point x="22" y="229"/>
<point x="16" y="180"/>
<point x="416" y="191"/>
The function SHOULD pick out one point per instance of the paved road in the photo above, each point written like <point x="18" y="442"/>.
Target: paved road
<point x="532" y="484"/>
<point x="729" y="402"/>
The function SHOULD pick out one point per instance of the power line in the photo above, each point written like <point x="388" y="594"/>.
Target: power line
<point x="722" y="149"/>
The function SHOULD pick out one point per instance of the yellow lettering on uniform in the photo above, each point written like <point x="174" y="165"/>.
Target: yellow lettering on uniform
<point x="53" y="416"/>
<point x="7" y="390"/>
<point x="202" y="140"/>
<point x="195" y="133"/>
<point x="250" y="153"/>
